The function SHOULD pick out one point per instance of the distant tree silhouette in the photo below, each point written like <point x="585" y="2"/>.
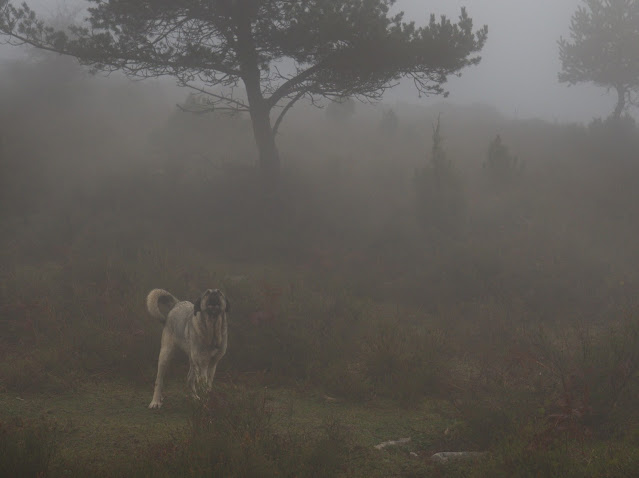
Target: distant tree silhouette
<point x="341" y="110"/>
<point x="389" y="122"/>
<point x="604" y="48"/>
<point x="500" y="165"/>
<point x="440" y="197"/>
<point x="337" y="49"/>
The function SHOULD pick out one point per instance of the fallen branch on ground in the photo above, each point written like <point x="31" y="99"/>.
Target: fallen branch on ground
<point x="445" y="456"/>
<point x="383" y="445"/>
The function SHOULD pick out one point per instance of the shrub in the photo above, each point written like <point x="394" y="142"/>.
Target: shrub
<point x="293" y="332"/>
<point x="516" y="458"/>
<point x="570" y="386"/>
<point x="613" y="140"/>
<point x="232" y="435"/>
<point x="347" y="380"/>
<point x="389" y="122"/>
<point x="27" y="449"/>
<point x="403" y="363"/>
<point x="595" y="372"/>
<point x="501" y="166"/>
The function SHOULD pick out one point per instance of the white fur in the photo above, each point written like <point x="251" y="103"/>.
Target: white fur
<point x="152" y="303"/>
<point x="202" y="335"/>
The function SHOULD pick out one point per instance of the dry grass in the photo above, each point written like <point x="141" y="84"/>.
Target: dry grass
<point x="518" y="309"/>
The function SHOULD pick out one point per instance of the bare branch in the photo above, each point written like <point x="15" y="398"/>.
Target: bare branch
<point x="238" y="105"/>
<point x="290" y="104"/>
<point x="289" y="86"/>
<point x="205" y="110"/>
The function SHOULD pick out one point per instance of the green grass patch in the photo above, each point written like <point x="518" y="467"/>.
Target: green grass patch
<point x="105" y="427"/>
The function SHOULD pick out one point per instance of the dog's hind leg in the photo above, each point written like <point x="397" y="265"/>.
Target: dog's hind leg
<point x="166" y="350"/>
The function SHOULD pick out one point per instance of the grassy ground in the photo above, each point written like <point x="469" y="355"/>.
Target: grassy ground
<point x="98" y="424"/>
<point x="106" y="426"/>
<point x="459" y="300"/>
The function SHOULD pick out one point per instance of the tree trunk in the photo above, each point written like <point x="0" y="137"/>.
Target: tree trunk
<point x="621" y="102"/>
<point x="269" y="157"/>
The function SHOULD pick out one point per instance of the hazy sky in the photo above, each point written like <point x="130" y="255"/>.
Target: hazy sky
<point x="518" y="73"/>
<point x="520" y="62"/>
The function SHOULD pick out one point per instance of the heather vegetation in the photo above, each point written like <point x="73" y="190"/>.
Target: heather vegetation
<point x="450" y="275"/>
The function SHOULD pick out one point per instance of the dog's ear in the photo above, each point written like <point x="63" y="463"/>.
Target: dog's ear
<point x="197" y="305"/>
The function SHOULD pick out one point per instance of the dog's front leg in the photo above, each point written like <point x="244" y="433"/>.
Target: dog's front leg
<point x="211" y="374"/>
<point x="198" y="376"/>
<point x="191" y="378"/>
<point x="166" y="350"/>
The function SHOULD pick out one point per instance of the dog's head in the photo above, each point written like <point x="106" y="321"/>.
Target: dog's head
<point x="213" y="302"/>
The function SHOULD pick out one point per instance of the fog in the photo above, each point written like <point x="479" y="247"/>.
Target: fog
<point x="520" y="63"/>
<point x="461" y="272"/>
<point x="518" y="72"/>
<point x="101" y="126"/>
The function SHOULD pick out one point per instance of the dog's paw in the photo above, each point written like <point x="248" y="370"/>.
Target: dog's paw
<point x="154" y="405"/>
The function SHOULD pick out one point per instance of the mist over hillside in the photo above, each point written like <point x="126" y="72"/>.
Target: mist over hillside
<point x="469" y="275"/>
<point x="74" y="140"/>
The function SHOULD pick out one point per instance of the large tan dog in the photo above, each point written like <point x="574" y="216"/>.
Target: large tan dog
<point x="200" y="329"/>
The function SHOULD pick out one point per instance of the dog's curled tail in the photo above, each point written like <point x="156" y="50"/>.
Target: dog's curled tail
<point x="159" y="303"/>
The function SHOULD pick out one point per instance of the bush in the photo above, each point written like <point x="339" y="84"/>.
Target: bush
<point x="404" y="363"/>
<point x="501" y="166"/>
<point x="347" y="380"/>
<point x="613" y="140"/>
<point x="389" y="122"/>
<point x="516" y="458"/>
<point x="27" y="449"/>
<point x="232" y="435"/>
<point x="293" y="332"/>
<point x="596" y="377"/>
<point x="569" y="386"/>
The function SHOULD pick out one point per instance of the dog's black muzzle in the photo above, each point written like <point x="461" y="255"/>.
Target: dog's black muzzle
<point x="211" y="301"/>
<point x="215" y="299"/>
